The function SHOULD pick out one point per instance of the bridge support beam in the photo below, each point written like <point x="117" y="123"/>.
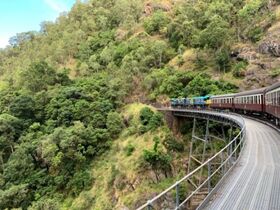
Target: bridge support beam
<point x="202" y="157"/>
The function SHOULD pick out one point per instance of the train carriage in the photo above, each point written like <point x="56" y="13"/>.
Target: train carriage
<point x="200" y="101"/>
<point x="272" y="101"/>
<point x="264" y="102"/>
<point x="180" y="102"/>
<point x="250" y="101"/>
<point x="222" y="101"/>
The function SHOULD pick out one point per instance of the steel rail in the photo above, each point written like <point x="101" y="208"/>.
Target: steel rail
<point x="240" y="135"/>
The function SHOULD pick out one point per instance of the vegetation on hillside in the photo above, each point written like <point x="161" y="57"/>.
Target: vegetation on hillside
<point x="67" y="134"/>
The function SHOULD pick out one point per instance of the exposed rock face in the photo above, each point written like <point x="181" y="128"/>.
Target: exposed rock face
<point x="271" y="42"/>
<point x="150" y="7"/>
<point x="245" y="53"/>
<point x="270" y="47"/>
<point x="260" y="63"/>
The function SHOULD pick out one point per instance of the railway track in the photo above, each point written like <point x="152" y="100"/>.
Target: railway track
<point x="255" y="181"/>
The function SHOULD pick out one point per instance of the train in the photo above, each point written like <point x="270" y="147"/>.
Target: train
<point x="262" y="103"/>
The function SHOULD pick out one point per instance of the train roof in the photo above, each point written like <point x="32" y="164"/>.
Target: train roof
<point x="272" y="87"/>
<point x="251" y="92"/>
<point x="230" y="95"/>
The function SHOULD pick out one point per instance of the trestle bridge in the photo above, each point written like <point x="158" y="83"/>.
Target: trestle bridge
<point x="244" y="174"/>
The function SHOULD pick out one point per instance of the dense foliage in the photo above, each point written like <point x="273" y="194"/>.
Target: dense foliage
<point x="61" y="88"/>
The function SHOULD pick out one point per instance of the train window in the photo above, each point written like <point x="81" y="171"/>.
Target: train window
<point x="278" y="92"/>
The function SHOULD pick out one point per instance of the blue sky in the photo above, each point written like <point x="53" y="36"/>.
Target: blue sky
<point x="26" y="15"/>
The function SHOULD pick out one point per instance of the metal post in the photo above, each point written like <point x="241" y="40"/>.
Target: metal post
<point x="222" y="163"/>
<point x="194" y="126"/>
<point x="241" y="142"/>
<point x="223" y="132"/>
<point x="209" y="176"/>
<point x="207" y="130"/>
<point x="177" y="196"/>
<point x="206" y="138"/>
<point x="230" y="146"/>
<point x="235" y="148"/>
<point x="191" y="147"/>
<point x="149" y="207"/>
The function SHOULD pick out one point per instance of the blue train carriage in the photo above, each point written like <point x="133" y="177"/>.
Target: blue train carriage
<point x="201" y="101"/>
<point x="174" y="102"/>
<point x="179" y="102"/>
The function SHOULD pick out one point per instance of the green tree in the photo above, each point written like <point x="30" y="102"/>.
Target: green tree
<point x="157" y="159"/>
<point x="216" y="34"/>
<point x="114" y="124"/>
<point x="222" y="58"/>
<point x="10" y="131"/>
<point x="156" y="22"/>
<point x="38" y="77"/>
<point x="23" y="106"/>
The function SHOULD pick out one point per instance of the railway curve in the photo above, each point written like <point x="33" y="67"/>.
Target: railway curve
<point x="254" y="183"/>
<point x="254" y="180"/>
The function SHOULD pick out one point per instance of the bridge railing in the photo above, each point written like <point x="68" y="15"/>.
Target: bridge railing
<point x="179" y="195"/>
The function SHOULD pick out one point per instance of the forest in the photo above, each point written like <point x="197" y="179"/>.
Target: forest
<point x="74" y="133"/>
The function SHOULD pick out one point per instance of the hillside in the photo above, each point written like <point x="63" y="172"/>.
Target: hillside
<point x="75" y="133"/>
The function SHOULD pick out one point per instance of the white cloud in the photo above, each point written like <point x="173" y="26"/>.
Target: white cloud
<point x="56" y="5"/>
<point x="4" y="41"/>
